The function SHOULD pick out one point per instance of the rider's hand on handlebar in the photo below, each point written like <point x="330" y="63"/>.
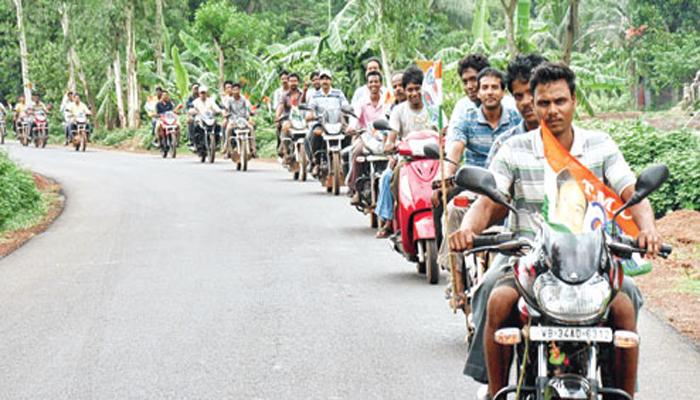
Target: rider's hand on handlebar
<point x="462" y="240"/>
<point x="650" y="239"/>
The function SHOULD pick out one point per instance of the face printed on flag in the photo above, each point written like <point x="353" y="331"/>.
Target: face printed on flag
<point x="432" y="88"/>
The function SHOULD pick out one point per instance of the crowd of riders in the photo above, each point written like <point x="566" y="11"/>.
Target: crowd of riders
<point x="496" y="125"/>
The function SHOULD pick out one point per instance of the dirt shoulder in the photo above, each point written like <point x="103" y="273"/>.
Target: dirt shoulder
<point x="672" y="289"/>
<point x="12" y="240"/>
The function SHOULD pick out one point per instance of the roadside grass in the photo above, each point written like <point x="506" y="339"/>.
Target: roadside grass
<point x="21" y="203"/>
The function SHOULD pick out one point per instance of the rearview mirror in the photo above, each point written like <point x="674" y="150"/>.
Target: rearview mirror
<point x="347" y="109"/>
<point x="431" y="151"/>
<point x="304" y="107"/>
<point x="381" y="125"/>
<point x="650" y="179"/>
<point x="480" y="180"/>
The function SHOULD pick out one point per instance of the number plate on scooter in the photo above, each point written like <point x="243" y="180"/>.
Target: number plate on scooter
<point x="570" y="334"/>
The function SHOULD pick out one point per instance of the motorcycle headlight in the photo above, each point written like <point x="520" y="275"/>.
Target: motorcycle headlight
<point x="572" y="303"/>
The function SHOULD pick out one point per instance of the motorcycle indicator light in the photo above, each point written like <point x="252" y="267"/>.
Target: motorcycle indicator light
<point x="626" y="339"/>
<point x="508" y="336"/>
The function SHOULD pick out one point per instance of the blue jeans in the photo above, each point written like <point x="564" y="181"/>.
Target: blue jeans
<point x="385" y="200"/>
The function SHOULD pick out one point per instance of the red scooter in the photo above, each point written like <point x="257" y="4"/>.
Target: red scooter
<point x="413" y="219"/>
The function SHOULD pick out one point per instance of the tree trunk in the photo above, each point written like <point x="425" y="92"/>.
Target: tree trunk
<point x="23" y="54"/>
<point x="65" y="24"/>
<point x="132" y="85"/>
<point x="220" y="54"/>
<point x="509" y="10"/>
<point x="83" y="81"/>
<point x="117" y="69"/>
<point x="159" y="38"/>
<point x="571" y="31"/>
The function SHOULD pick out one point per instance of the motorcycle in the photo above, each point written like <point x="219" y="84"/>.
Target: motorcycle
<point x="206" y="137"/>
<point x="566" y="284"/>
<point x="240" y="144"/>
<point x="79" y="134"/>
<point x="413" y="219"/>
<point x="170" y="134"/>
<point x="40" y="133"/>
<point x="333" y="133"/>
<point x="294" y="143"/>
<point x="373" y="162"/>
<point x="24" y="129"/>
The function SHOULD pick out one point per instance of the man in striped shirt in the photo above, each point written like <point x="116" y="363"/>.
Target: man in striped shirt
<point x="518" y="169"/>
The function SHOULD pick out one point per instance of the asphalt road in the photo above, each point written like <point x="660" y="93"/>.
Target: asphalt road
<point x="174" y="279"/>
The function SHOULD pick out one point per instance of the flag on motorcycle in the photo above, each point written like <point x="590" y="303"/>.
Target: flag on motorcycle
<point x="577" y="201"/>
<point x="432" y="89"/>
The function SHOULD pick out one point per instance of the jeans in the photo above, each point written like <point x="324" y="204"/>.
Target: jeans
<point x="385" y="200"/>
<point x="476" y="362"/>
<point x="313" y="144"/>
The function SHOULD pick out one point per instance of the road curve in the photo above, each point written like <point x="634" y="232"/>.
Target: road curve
<point x="174" y="279"/>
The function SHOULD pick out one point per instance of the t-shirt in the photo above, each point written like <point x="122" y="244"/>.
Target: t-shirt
<point x="202" y="107"/>
<point x="362" y="94"/>
<point x="519" y="169"/>
<point x="334" y="100"/>
<point x="240" y="108"/>
<point x="503" y="137"/>
<point x="80" y="108"/>
<point x="277" y="97"/>
<point x="162" y="108"/>
<point x="405" y="120"/>
<point x="476" y="133"/>
<point x="291" y="98"/>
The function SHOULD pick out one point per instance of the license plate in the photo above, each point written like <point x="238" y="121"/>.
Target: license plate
<point x="570" y="334"/>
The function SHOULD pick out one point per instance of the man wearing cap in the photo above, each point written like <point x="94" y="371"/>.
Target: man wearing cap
<point x="328" y="98"/>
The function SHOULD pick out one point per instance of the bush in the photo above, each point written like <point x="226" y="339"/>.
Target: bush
<point x="20" y="201"/>
<point x="643" y="145"/>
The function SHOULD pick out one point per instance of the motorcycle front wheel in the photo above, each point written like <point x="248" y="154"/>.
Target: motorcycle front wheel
<point x="432" y="268"/>
<point x="212" y="147"/>
<point x="335" y="168"/>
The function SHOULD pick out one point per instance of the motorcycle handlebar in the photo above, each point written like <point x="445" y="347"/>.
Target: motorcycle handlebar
<point x="492" y="240"/>
<point x="624" y="246"/>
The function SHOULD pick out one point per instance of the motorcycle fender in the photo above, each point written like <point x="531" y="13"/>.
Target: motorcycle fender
<point x="423" y="227"/>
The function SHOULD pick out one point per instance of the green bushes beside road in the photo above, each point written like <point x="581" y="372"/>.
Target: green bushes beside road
<point x="20" y="201"/>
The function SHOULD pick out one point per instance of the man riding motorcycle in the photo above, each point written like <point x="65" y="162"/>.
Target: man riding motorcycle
<point x="164" y="105"/>
<point x="407" y="117"/>
<point x="18" y="113"/>
<point x="368" y="111"/>
<point x="328" y="98"/>
<point x="235" y="107"/>
<point x="518" y="168"/>
<point x="201" y="106"/>
<point x="518" y="83"/>
<point x="292" y="98"/>
<point x="74" y="109"/>
<point x="310" y="88"/>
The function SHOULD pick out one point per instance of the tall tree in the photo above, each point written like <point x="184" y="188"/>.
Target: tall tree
<point x="160" y="23"/>
<point x="132" y="83"/>
<point x="23" y="53"/>
<point x="65" y="25"/>
<point x="571" y="31"/>
<point x="509" y="11"/>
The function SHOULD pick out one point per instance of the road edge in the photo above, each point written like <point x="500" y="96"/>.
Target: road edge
<point x="20" y="237"/>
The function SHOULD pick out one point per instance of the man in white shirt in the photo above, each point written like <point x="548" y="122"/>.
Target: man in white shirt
<point x="75" y="109"/>
<point x="203" y="105"/>
<point x="362" y="93"/>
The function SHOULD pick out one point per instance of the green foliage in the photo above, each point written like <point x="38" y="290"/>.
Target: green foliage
<point x="643" y="145"/>
<point x="20" y="201"/>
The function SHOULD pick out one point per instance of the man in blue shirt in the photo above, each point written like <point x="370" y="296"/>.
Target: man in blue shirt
<point x="474" y="132"/>
<point x="518" y="83"/>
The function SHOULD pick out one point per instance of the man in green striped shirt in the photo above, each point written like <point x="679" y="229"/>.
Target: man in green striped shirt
<point x="518" y="168"/>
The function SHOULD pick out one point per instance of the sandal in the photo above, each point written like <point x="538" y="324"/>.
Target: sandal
<point x="383" y="232"/>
